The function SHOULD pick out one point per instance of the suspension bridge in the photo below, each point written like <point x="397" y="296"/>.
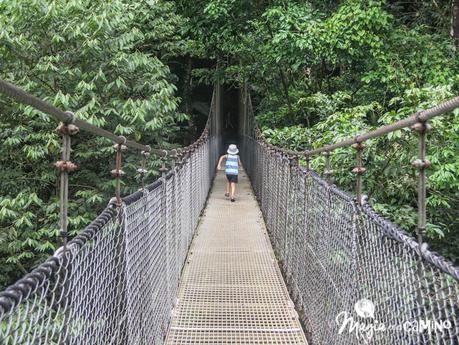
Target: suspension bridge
<point x="295" y="260"/>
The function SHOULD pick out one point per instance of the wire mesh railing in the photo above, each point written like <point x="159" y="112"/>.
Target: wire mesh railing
<point x="356" y="277"/>
<point x="116" y="282"/>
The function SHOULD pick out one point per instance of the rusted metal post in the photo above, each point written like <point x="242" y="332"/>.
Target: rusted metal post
<point x="163" y="168"/>
<point x="421" y="164"/>
<point x="179" y="158"/>
<point x="143" y="168"/>
<point x="117" y="173"/>
<point x="65" y="166"/>
<point x="173" y="157"/>
<point x="328" y="172"/>
<point x="359" y="170"/>
<point x="307" y="158"/>
<point x="290" y="209"/>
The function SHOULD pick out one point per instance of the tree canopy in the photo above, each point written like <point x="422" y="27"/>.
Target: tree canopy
<point x="319" y="71"/>
<point x="322" y="71"/>
<point x="109" y="63"/>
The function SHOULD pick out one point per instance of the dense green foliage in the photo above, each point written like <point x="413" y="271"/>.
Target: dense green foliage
<point x="322" y="71"/>
<point x="108" y="62"/>
<point x="319" y="71"/>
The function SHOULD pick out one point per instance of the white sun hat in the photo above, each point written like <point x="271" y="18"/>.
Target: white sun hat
<point x="232" y="150"/>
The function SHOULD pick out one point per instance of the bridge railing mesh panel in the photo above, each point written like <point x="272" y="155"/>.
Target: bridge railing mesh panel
<point x="335" y="253"/>
<point x="117" y="281"/>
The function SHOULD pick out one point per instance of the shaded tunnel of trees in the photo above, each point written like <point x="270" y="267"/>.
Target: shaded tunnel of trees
<point x="319" y="71"/>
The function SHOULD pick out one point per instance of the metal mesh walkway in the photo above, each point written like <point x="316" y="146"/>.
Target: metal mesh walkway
<point x="232" y="291"/>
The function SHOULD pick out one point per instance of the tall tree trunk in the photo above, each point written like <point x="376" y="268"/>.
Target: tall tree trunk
<point x="287" y="97"/>
<point x="284" y="82"/>
<point x="455" y="22"/>
<point x="187" y="92"/>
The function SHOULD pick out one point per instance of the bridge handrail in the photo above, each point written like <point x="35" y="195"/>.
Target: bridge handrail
<point x="67" y="117"/>
<point x="418" y="117"/>
<point x="13" y="294"/>
<point x="90" y="288"/>
<point x="336" y="250"/>
<point x="393" y="231"/>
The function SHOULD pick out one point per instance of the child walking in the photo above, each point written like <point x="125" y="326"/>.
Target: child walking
<point x="231" y="170"/>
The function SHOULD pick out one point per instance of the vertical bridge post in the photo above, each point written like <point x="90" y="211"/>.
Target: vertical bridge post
<point x="143" y="168"/>
<point x="359" y="170"/>
<point x="307" y="158"/>
<point x="328" y="170"/>
<point x="117" y="173"/>
<point x="65" y="166"/>
<point x="421" y="164"/>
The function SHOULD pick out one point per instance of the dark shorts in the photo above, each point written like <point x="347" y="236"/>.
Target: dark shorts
<point x="231" y="178"/>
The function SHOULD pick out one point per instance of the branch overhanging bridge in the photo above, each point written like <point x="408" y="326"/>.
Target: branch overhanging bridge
<point x="295" y="260"/>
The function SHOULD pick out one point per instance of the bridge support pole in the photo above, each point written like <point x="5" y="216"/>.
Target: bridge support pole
<point x="307" y="158"/>
<point x="421" y="164"/>
<point x="163" y="170"/>
<point x="166" y="235"/>
<point x="117" y="173"/>
<point x="359" y="170"/>
<point x="143" y="168"/>
<point x="65" y="166"/>
<point x="328" y="172"/>
<point x="173" y="158"/>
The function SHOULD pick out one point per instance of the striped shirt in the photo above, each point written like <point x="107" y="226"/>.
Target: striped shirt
<point x="232" y="164"/>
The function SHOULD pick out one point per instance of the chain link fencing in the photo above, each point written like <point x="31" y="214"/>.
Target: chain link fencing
<point x="335" y="253"/>
<point x="117" y="281"/>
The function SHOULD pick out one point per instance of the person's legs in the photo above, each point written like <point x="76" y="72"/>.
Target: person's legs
<point x="233" y="189"/>
<point x="228" y="184"/>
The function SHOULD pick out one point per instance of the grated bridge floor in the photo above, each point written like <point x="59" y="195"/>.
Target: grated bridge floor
<point x="231" y="290"/>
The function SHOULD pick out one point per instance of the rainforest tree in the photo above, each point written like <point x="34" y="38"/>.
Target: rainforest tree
<point x="321" y="71"/>
<point x="109" y="63"/>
